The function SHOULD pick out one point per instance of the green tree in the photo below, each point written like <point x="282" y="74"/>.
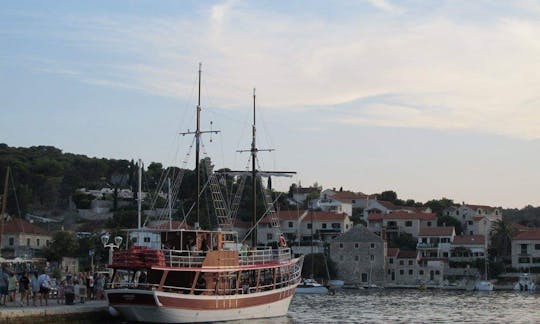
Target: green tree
<point x="450" y="221"/>
<point x="63" y="244"/>
<point x="403" y="241"/>
<point x="501" y="239"/>
<point x="439" y="205"/>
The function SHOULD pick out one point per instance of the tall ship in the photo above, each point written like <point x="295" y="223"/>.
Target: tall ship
<point x="187" y="274"/>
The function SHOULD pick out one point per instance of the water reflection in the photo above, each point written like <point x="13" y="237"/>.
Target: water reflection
<point x="414" y="306"/>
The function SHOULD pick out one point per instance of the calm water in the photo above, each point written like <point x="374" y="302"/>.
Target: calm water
<point x="414" y="306"/>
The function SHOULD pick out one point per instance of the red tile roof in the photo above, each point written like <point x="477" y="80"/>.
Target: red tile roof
<point x="407" y="254"/>
<point x="469" y="240"/>
<point x="349" y="195"/>
<point x="392" y="252"/>
<point x="19" y="225"/>
<point x="521" y="228"/>
<point x="436" y="231"/>
<point x="475" y="207"/>
<point x="533" y="234"/>
<point x="403" y="215"/>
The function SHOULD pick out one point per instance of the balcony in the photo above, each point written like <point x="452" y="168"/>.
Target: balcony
<point x="425" y="246"/>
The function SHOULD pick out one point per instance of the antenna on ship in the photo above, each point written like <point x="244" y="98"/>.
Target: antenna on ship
<point x="198" y="134"/>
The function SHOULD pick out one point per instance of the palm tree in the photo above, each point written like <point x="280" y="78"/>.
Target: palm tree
<point x="501" y="239"/>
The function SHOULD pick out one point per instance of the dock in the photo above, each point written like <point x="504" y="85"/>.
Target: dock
<point x="89" y="312"/>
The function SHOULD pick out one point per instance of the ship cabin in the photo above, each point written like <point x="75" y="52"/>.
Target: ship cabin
<point x="200" y="262"/>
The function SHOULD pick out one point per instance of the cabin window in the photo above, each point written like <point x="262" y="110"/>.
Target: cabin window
<point x="290" y="224"/>
<point x="408" y="223"/>
<point x="11" y="241"/>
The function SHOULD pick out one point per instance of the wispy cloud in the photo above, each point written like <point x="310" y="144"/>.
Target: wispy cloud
<point x="448" y="72"/>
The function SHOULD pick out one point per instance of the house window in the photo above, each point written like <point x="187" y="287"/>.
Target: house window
<point x="437" y="272"/>
<point x="37" y="242"/>
<point x="11" y="241"/>
<point x="372" y="245"/>
<point x="269" y="236"/>
<point x="401" y="262"/>
<point x="410" y="262"/>
<point x="391" y="261"/>
<point x="347" y="226"/>
<point x="341" y="245"/>
<point x="356" y="258"/>
<point x="523" y="248"/>
<point x="389" y="271"/>
<point x="372" y="257"/>
<point x="445" y="254"/>
<point x="290" y="224"/>
<point x="536" y="260"/>
<point x="421" y="272"/>
<point x="537" y="246"/>
<point x="27" y="242"/>
<point x="341" y="258"/>
<point x="524" y="260"/>
<point x="408" y="224"/>
<point x="353" y="201"/>
<point x="429" y="224"/>
<point x="147" y="239"/>
<point x="323" y="225"/>
<point x="356" y="245"/>
<point x="401" y="272"/>
<point x="410" y="272"/>
<point x="470" y="222"/>
<point x="364" y="277"/>
<point x="308" y="225"/>
<point x="336" y="225"/>
<point x="47" y="242"/>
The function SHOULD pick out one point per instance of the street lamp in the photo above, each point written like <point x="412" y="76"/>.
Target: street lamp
<point x="111" y="246"/>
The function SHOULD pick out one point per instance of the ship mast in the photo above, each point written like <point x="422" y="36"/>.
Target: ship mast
<point x="198" y="134"/>
<point x="4" y="204"/>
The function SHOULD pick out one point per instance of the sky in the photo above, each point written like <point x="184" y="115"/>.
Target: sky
<point x="429" y="99"/>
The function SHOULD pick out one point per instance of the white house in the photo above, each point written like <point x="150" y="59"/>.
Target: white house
<point x="473" y="217"/>
<point x="526" y="250"/>
<point x="467" y="248"/>
<point x="401" y="222"/>
<point x="435" y="242"/>
<point x="23" y="239"/>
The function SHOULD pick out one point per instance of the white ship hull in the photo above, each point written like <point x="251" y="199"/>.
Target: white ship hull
<point x="163" y="307"/>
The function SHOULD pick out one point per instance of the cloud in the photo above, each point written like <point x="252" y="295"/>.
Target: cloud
<point x="446" y="72"/>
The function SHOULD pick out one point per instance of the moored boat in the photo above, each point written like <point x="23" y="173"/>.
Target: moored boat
<point x="186" y="274"/>
<point x="525" y="283"/>
<point x="310" y="286"/>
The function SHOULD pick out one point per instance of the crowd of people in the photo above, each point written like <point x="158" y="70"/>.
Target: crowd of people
<point x="20" y="288"/>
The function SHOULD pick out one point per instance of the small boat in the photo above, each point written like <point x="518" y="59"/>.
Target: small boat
<point x="336" y="284"/>
<point x="525" y="283"/>
<point x="483" y="285"/>
<point x="310" y="286"/>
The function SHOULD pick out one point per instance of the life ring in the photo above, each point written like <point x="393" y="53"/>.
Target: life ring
<point x="282" y="241"/>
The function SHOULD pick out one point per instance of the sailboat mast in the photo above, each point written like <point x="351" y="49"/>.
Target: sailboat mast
<point x="253" y="175"/>
<point x="197" y="149"/>
<point x="4" y="205"/>
<point x="139" y="195"/>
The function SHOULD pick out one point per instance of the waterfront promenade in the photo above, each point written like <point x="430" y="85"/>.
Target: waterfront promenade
<point x="57" y="313"/>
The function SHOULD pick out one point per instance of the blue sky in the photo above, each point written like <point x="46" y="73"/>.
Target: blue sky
<point x="430" y="99"/>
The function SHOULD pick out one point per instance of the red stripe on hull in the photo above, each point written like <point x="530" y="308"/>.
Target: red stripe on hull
<point x="232" y="302"/>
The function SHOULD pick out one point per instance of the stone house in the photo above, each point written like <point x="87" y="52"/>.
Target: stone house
<point x="360" y="257"/>
<point x="526" y="250"/>
<point x="23" y="239"/>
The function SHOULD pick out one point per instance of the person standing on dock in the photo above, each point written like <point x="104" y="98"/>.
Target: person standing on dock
<point x="4" y="281"/>
<point x="44" y="282"/>
<point x="12" y="287"/>
<point x="24" y="288"/>
<point x="35" y="287"/>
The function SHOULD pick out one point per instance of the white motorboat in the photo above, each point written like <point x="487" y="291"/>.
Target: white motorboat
<point x="483" y="285"/>
<point x="310" y="286"/>
<point x="336" y="284"/>
<point x="525" y="283"/>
